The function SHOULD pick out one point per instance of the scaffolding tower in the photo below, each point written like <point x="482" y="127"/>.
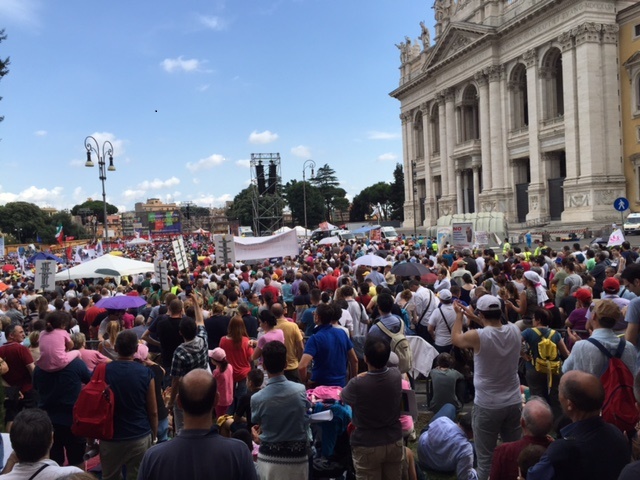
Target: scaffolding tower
<point x="268" y="203"/>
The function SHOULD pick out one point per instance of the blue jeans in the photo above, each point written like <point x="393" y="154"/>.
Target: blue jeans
<point x="238" y="392"/>
<point x="448" y="410"/>
<point x="163" y="430"/>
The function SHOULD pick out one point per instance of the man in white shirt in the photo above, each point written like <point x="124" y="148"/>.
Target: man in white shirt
<point x="426" y="302"/>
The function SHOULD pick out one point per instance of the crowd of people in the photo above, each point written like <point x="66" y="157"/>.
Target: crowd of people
<point x="225" y="374"/>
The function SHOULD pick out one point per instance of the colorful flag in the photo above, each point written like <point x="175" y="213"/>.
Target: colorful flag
<point x="59" y="234"/>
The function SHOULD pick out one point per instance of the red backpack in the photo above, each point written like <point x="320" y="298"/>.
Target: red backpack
<point x="93" y="411"/>
<point x="619" y="406"/>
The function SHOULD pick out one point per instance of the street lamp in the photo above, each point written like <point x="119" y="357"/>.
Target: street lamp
<point x="91" y="144"/>
<point x="312" y="165"/>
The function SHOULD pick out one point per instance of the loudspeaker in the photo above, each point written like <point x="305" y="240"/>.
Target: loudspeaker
<point x="273" y="178"/>
<point x="260" y="175"/>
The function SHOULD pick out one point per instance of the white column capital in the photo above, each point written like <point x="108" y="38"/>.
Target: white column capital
<point x="530" y="57"/>
<point x="566" y="41"/>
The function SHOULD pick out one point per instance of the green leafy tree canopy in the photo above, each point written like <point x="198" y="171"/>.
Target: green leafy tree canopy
<point x="95" y="207"/>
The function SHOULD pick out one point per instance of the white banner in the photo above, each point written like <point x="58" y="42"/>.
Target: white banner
<point x="462" y="235"/>
<point x="45" y="275"/>
<point x="482" y="238"/>
<point x="1" y="246"/>
<point x="180" y="253"/>
<point x="443" y="237"/>
<point x="162" y="274"/>
<point x="282" y="245"/>
<point x="225" y="249"/>
<point x="616" y="238"/>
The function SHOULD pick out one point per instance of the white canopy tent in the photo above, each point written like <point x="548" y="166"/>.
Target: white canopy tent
<point x="284" y="229"/>
<point x="138" y="241"/>
<point x="124" y="266"/>
<point x="302" y="232"/>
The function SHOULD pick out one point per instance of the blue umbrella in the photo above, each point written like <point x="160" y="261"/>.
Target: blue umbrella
<point x="44" y="256"/>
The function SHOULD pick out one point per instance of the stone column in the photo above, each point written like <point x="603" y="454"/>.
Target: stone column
<point x="459" y="198"/>
<point x="476" y="188"/>
<point x="611" y="99"/>
<point x="451" y="137"/>
<point x="485" y="131"/>
<point x="429" y="197"/>
<point x="571" y="127"/>
<point x="406" y="162"/>
<point x="494" y="74"/>
<point x="444" y="154"/>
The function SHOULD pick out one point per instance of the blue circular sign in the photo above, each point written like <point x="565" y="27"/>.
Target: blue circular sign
<point x="621" y="204"/>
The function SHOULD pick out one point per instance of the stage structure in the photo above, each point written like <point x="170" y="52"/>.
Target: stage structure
<point x="267" y="193"/>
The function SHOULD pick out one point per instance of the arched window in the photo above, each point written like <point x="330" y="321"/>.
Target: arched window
<point x="553" y="88"/>
<point x="469" y="118"/>
<point x="519" y="101"/>
<point x="435" y="129"/>
<point x="418" y="131"/>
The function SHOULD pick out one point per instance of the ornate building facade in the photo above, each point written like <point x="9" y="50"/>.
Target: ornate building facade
<point x="513" y="109"/>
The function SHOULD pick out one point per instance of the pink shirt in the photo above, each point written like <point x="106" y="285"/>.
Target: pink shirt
<point x="92" y="358"/>
<point x="272" y="335"/>
<point x="53" y="350"/>
<point x="224" y="382"/>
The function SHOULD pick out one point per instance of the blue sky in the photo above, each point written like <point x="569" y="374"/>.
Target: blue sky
<point x="187" y="90"/>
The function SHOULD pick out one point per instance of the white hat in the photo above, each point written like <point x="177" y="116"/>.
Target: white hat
<point x="487" y="303"/>
<point x="444" y="294"/>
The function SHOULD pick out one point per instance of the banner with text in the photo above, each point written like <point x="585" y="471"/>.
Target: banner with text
<point x="45" y="275"/>
<point x="180" y="253"/>
<point x="462" y="235"/>
<point x="225" y="249"/>
<point x="256" y="248"/>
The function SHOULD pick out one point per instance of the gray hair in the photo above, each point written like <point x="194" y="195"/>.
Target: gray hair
<point x="537" y="416"/>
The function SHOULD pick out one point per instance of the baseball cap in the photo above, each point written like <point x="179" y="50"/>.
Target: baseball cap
<point x="142" y="353"/>
<point x="611" y="285"/>
<point x="488" y="303"/>
<point x="444" y="294"/>
<point x="583" y="294"/>
<point x="217" y="354"/>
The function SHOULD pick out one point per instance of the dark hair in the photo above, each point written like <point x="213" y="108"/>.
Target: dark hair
<point x="542" y="315"/>
<point x="244" y="436"/>
<point x="377" y="352"/>
<point x="325" y="313"/>
<point x="31" y="435"/>
<point x="126" y="343"/>
<point x="274" y="357"/>
<point x="444" y="360"/>
<point x="277" y="310"/>
<point x="464" y="421"/>
<point x="256" y="377"/>
<point x="188" y="328"/>
<point x="347" y="291"/>
<point x="197" y="406"/>
<point x="175" y="306"/>
<point x="57" y="319"/>
<point x="267" y="317"/>
<point x="385" y="302"/>
<point x="316" y="294"/>
<point x="528" y="457"/>
<point x="631" y="272"/>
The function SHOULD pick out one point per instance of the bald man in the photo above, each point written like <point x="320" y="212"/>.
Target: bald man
<point x="590" y="448"/>
<point x="199" y="451"/>
<point x="536" y="422"/>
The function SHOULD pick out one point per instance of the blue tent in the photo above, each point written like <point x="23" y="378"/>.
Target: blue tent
<point x="44" y="256"/>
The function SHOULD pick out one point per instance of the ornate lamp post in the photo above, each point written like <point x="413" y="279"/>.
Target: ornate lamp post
<point x="91" y="144"/>
<point x="312" y="165"/>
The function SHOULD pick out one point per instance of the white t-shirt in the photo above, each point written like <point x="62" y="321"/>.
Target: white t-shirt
<point x="21" y="471"/>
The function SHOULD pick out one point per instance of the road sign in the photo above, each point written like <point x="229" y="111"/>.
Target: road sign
<point x="621" y="204"/>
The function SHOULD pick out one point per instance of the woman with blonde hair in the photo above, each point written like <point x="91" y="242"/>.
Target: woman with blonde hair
<point x="108" y="344"/>
<point x="239" y="350"/>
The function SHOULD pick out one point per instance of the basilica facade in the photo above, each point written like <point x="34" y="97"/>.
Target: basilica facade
<point x="514" y="108"/>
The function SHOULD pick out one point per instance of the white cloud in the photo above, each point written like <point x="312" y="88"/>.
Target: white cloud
<point x="207" y="200"/>
<point x="243" y="163"/>
<point x="130" y="194"/>
<point x="39" y="196"/>
<point x="262" y="137"/>
<point x="172" y="65"/>
<point x="79" y="195"/>
<point x="203" y="88"/>
<point x="387" y="157"/>
<point x="212" y="22"/>
<point x="375" y="135"/>
<point x="196" y="180"/>
<point x="40" y="133"/>
<point x="206" y="163"/>
<point x="25" y="12"/>
<point x="157" y="184"/>
<point x="301" y="151"/>
<point x="77" y="163"/>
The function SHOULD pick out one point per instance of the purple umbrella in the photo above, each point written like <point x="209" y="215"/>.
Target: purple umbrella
<point x="121" y="302"/>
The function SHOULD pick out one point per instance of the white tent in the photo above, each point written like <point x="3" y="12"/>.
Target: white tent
<point x="284" y="229"/>
<point x="138" y="241"/>
<point x="301" y="231"/>
<point x="111" y="263"/>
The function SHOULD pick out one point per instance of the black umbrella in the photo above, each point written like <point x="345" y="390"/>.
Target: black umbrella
<point x="409" y="269"/>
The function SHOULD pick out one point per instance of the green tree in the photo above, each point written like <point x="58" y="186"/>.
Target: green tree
<point x="294" y="193"/>
<point x="334" y="196"/>
<point x="363" y="203"/>
<point x="242" y="207"/>
<point x="69" y="228"/>
<point x="22" y="220"/>
<point x="396" y="197"/>
<point x="3" y="64"/>
<point x="96" y="207"/>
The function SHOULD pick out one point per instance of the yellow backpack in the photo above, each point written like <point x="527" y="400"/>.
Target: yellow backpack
<point x="547" y="360"/>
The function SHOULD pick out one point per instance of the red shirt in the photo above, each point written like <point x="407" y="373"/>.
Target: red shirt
<point x="274" y="291"/>
<point x="17" y="357"/>
<point x="328" y="282"/>
<point x="238" y="356"/>
<point x="504" y="465"/>
<point x="92" y="313"/>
